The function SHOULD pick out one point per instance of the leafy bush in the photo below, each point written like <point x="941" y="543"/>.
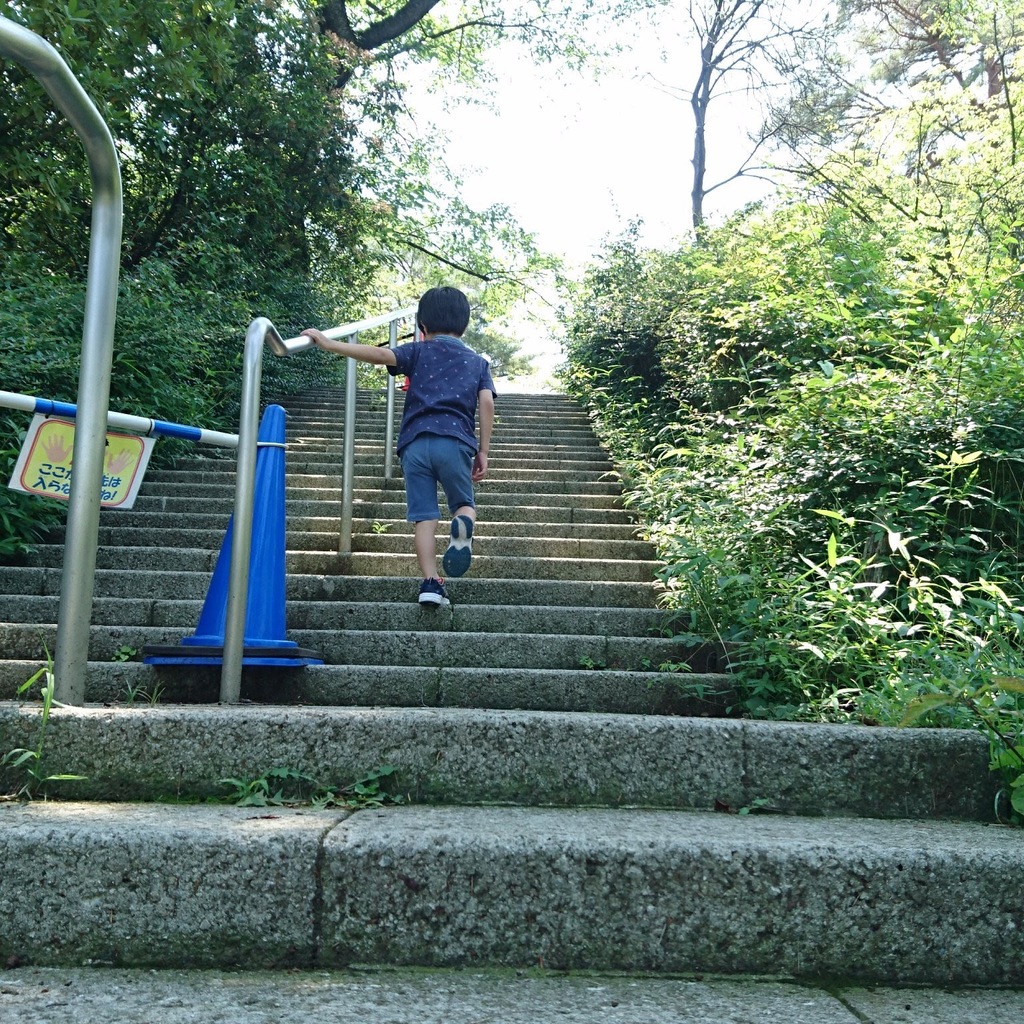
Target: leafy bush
<point x="823" y="441"/>
<point x="177" y="353"/>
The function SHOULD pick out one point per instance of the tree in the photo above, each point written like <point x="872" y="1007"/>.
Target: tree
<point x="888" y="56"/>
<point x="454" y="36"/>
<point x="907" y="40"/>
<point x="911" y="118"/>
<point x="493" y="303"/>
<point x="742" y="44"/>
<point x="225" y="126"/>
<point x="503" y="352"/>
<point x="238" y="144"/>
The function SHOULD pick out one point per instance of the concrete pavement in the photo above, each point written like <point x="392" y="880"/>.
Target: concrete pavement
<point x="107" y="995"/>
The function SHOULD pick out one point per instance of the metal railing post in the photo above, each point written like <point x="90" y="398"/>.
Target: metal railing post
<point x="348" y="456"/>
<point x="260" y="330"/>
<point x="74" y="616"/>
<point x="389" y="426"/>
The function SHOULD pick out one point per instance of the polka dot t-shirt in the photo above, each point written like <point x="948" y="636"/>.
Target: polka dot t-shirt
<point x="445" y="377"/>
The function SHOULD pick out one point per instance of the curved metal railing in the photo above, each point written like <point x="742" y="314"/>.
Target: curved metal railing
<point x="262" y="333"/>
<point x="75" y="610"/>
<point x="81" y="538"/>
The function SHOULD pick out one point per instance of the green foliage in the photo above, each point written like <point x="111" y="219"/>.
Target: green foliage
<point x="502" y="351"/>
<point x="996" y="708"/>
<point x="818" y="418"/>
<point x="222" y="115"/>
<point x="136" y="694"/>
<point x="288" y="786"/>
<point x="177" y="353"/>
<point x="26" y="764"/>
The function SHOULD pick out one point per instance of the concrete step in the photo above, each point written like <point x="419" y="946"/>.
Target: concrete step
<point x="435" y="647"/>
<point x="529" y="758"/>
<point x="298" y="488"/>
<point x="486" y="543"/>
<point x="297" y="539"/>
<point x="318" y="474"/>
<point x="311" y="457"/>
<point x="113" y="611"/>
<point x="621" y="890"/>
<point x="173" y="584"/>
<point x="507" y="429"/>
<point x="507" y="449"/>
<point x="696" y="693"/>
<point x="375" y="505"/>
<point x="217" y="522"/>
<point x="308" y="501"/>
<point x="364" y="564"/>
<point x="485" y="566"/>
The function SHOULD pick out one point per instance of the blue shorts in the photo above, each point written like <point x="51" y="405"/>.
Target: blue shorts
<point x="429" y="460"/>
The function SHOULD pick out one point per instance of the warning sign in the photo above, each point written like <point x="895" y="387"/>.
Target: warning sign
<point x="44" y="465"/>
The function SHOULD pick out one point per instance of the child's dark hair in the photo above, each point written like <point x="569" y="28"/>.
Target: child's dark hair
<point x="443" y="311"/>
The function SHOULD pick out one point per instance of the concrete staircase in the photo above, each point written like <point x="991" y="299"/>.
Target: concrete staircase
<point x="569" y="804"/>
<point x="559" y="608"/>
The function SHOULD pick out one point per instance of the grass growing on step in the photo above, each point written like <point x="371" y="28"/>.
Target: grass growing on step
<point x="139" y="694"/>
<point x="666" y="666"/>
<point x="279" y="787"/>
<point x="26" y="764"/>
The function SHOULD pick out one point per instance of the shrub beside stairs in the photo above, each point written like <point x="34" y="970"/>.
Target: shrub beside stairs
<point x="569" y="804"/>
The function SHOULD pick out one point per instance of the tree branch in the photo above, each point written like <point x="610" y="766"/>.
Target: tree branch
<point x="334" y="15"/>
<point x="442" y="259"/>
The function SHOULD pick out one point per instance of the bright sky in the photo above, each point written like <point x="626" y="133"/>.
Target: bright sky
<point x="577" y="159"/>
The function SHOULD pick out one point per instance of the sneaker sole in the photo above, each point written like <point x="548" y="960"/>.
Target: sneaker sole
<point x="433" y="599"/>
<point x="457" y="559"/>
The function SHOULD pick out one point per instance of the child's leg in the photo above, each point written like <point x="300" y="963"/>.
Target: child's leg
<point x="454" y="470"/>
<point x="426" y="547"/>
<point x="421" y="503"/>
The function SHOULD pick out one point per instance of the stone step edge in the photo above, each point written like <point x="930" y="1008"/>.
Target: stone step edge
<point x="606" y="691"/>
<point x="580" y="889"/>
<point x="484" y="650"/>
<point x="39" y="580"/>
<point x="473" y="755"/>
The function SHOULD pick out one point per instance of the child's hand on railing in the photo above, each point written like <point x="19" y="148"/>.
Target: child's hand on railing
<point x="319" y="337"/>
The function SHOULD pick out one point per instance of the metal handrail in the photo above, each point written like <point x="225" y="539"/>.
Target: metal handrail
<point x="75" y="610"/>
<point x="144" y="425"/>
<point x="74" y="616"/>
<point x="262" y="332"/>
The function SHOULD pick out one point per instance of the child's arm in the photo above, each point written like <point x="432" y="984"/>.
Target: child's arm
<point x="485" y="402"/>
<point x="365" y="353"/>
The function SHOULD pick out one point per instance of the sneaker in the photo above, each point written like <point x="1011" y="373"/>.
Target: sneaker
<point x="433" y="592"/>
<point x="460" y="548"/>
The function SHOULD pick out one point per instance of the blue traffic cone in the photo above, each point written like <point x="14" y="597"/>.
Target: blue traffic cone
<point x="264" y="641"/>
